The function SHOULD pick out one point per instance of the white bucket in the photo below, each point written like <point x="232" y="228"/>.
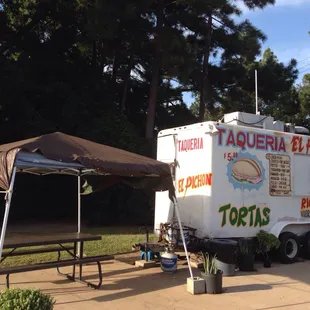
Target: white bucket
<point x="169" y="262"/>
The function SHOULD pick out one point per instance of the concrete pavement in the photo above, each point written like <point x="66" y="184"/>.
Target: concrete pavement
<point x="281" y="287"/>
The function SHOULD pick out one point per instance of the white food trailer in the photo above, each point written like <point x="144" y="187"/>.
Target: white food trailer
<point x="236" y="177"/>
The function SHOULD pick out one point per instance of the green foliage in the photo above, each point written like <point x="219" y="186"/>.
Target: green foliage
<point x="266" y="241"/>
<point x="69" y="66"/>
<point x="96" y="68"/>
<point x="209" y="263"/>
<point x="304" y="95"/>
<point x="25" y="299"/>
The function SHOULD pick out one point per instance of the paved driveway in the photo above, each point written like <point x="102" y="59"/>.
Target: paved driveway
<point x="126" y="287"/>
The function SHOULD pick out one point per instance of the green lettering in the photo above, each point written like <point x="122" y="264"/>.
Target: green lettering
<point x="224" y="209"/>
<point x="238" y="217"/>
<point x="243" y="212"/>
<point x="251" y="209"/>
<point x="258" y="218"/>
<point x="266" y="213"/>
<point x="233" y="216"/>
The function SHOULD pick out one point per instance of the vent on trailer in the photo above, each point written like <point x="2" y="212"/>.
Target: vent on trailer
<point x="261" y="121"/>
<point x="252" y="120"/>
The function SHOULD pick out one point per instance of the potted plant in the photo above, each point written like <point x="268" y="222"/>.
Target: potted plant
<point x="212" y="275"/>
<point x="265" y="242"/>
<point x="246" y="256"/>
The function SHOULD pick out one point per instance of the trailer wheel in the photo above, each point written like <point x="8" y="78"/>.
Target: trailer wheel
<point x="306" y="245"/>
<point x="289" y="248"/>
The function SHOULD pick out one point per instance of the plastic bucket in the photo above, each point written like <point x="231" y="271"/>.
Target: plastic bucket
<point x="228" y="269"/>
<point x="168" y="262"/>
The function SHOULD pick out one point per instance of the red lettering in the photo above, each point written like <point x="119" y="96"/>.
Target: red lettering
<point x="270" y="142"/>
<point x="195" y="181"/>
<point x="250" y="145"/>
<point x="260" y="142"/>
<point x="254" y="140"/>
<point x="199" y="180"/>
<point x="220" y="135"/>
<point x="203" y="180"/>
<point x="182" y="146"/>
<point x="282" y="145"/>
<point x="180" y="185"/>
<point x="294" y="143"/>
<point x="305" y="203"/>
<point x="297" y="144"/>
<point x="230" y="139"/>
<point x="308" y="145"/>
<point x="300" y="147"/>
<point x="275" y="143"/>
<point x="209" y="179"/>
<point x="190" y="144"/>
<point x="189" y="182"/>
<point x="241" y="140"/>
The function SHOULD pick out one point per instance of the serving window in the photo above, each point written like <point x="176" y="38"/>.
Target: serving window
<point x="301" y="176"/>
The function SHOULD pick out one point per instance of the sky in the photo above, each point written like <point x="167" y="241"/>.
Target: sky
<point x="286" y="25"/>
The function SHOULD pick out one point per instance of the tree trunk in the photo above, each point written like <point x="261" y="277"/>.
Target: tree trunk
<point x="126" y="83"/>
<point x="102" y="58"/>
<point x="94" y="56"/>
<point x="151" y="110"/>
<point x="205" y="89"/>
<point x="115" y="68"/>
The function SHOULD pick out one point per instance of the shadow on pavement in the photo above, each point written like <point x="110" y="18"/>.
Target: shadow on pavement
<point x="246" y="288"/>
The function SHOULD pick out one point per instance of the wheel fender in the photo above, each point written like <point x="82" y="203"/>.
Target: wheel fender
<point x="278" y="227"/>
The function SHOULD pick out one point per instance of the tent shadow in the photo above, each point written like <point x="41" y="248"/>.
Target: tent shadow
<point x="246" y="288"/>
<point x="144" y="284"/>
<point x="110" y="273"/>
<point x="127" y="287"/>
<point x="134" y="286"/>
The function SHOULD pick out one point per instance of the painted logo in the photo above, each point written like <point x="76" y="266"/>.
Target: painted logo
<point x="305" y="207"/>
<point x="246" y="172"/>
<point x="252" y="216"/>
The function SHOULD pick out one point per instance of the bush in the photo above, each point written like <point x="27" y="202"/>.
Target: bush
<point x="27" y="299"/>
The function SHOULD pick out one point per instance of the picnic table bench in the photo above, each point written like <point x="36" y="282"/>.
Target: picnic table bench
<point x="44" y="241"/>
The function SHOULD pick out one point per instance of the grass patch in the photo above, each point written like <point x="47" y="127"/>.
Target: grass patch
<point x="114" y="240"/>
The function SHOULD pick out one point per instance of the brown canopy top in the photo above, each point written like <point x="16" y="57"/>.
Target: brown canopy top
<point x="69" y="149"/>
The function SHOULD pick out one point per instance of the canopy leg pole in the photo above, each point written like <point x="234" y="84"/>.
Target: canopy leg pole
<point x="7" y="210"/>
<point x="182" y="236"/>
<point x="79" y="211"/>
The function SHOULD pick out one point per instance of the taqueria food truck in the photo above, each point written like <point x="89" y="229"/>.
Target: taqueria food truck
<point x="238" y="176"/>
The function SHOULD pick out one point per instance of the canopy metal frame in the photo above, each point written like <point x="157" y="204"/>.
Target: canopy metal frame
<point x="35" y="168"/>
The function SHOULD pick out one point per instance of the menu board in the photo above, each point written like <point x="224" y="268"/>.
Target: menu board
<point x="279" y="175"/>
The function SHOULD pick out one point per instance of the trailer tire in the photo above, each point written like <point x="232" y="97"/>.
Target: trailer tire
<point x="306" y="246"/>
<point x="289" y="248"/>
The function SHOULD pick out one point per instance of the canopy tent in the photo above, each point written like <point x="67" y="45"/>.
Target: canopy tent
<point x="61" y="153"/>
<point x="58" y="153"/>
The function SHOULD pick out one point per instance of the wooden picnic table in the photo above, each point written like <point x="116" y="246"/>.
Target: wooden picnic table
<point x="60" y="242"/>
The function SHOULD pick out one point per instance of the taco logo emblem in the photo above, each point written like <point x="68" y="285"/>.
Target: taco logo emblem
<point x="246" y="172"/>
